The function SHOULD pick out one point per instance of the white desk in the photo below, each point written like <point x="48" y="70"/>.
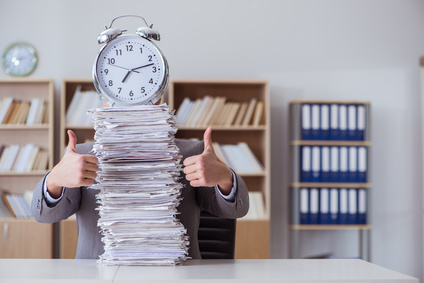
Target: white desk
<point x="272" y="270"/>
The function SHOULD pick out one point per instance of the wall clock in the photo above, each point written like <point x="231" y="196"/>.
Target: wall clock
<point x="19" y="59"/>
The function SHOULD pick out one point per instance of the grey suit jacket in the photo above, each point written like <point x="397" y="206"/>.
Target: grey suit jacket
<point x="82" y="202"/>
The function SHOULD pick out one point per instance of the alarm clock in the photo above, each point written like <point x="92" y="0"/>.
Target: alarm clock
<point x="130" y="69"/>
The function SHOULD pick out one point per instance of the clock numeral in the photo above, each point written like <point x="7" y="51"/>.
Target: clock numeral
<point x="110" y="83"/>
<point x="119" y="89"/>
<point x="150" y="58"/>
<point x="106" y="71"/>
<point x="141" y="50"/>
<point x="154" y="70"/>
<point x="131" y="93"/>
<point x="143" y="90"/>
<point x="129" y="47"/>
<point x="118" y="52"/>
<point x="111" y="61"/>
<point x="151" y="81"/>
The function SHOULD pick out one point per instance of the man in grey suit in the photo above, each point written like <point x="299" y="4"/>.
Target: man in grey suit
<point x="209" y="184"/>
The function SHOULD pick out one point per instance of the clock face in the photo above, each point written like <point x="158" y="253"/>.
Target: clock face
<point x="130" y="70"/>
<point x="19" y="59"/>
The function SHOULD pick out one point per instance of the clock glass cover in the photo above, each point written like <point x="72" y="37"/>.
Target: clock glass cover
<point x="130" y="70"/>
<point x="19" y="59"/>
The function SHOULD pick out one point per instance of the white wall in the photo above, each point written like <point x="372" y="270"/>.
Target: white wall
<point x="326" y="49"/>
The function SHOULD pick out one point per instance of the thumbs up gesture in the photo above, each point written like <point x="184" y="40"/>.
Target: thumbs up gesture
<point x="206" y="169"/>
<point x="74" y="170"/>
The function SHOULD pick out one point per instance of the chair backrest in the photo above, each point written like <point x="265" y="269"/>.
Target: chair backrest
<point x="217" y="236"/>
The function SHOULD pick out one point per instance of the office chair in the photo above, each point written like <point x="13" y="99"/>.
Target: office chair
<point x="217" y="236"/>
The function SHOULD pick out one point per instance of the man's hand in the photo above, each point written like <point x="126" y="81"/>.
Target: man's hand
<point x="207" y="169"/>
<point x="74" y="170"/>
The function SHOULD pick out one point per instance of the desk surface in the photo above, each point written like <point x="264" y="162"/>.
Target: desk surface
<point x="272" y="270"/>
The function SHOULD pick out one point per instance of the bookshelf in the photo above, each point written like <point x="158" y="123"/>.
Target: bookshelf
<point x="252" y="234"/>
<point x="20" y="234"/>
<point x="68" y="237"/>
<point x="83" y="132"/>
<point x="329" y="156"/>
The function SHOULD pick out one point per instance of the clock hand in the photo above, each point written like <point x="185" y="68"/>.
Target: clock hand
<point x="142" y="67"/>
<point x="126" y="76"/>
<point x="133" y="70"/>
<point x="128" y="69"/>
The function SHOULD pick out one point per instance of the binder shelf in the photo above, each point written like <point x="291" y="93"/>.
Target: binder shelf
<point x="330" y="150"/>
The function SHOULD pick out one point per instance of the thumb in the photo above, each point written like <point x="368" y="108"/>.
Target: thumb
<point x="72" y="141"/>
<point x="207" y="139"/>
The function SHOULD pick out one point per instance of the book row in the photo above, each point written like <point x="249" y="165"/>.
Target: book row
<point x="238" y="157"/>
<point x="218" y="111"/>
<point x="23" y="158"/>
<point x="332" y="206"/>
<point x="16" y="205"/>
<point x="334" y="164"/>
<point x="333" y="121"/>
<point x="13" y="111"/>
<point x="82" y="101"/>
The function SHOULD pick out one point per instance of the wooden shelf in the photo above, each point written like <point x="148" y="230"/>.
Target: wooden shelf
<point x="330" y="143"/>
<point x="253" y="174"/>
<point x="25" y="127"/>
<point x="298" y="101"/>
<point x="68" y="238"/>
<point x="252" y="236"/>
<point x="67" y="126"/>
<point x="225" y="128"/>
<point x="330" y="227"/>
<point x="32" y="173"/>
<point x="83" y="133"/>
<point x="41" y="135"/>
<point x="20" y="234"/>
<point x="330" y="185"/>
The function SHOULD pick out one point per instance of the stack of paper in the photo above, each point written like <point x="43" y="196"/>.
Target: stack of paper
<point x="139" y="167"/>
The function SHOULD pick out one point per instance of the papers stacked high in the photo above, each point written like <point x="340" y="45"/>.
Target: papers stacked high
<point x="139" y="167"/>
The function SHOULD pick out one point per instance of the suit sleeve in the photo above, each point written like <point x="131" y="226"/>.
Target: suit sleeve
<point x="67" y="206"/>
<point x="211" y="200"/>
